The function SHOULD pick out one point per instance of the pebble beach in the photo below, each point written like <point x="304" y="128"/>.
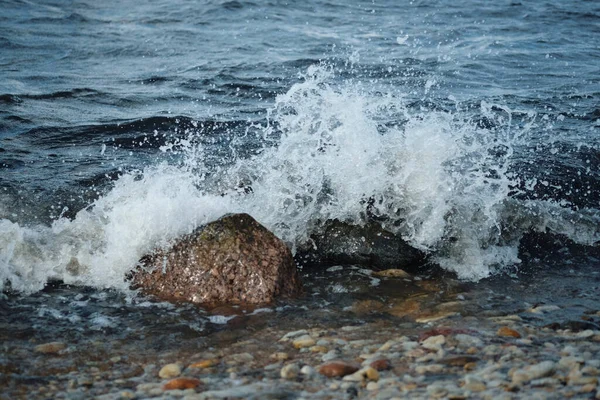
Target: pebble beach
<point x="435" y="344"/>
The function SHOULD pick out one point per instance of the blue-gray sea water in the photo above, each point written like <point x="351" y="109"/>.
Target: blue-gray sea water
<point x="467" y="126"/>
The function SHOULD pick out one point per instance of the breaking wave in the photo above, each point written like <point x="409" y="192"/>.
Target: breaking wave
<point x="329" y="149"/>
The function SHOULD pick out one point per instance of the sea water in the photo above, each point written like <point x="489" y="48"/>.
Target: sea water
<point x="465" y="127"/>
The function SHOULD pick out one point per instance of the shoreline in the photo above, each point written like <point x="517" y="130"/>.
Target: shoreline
<point x="495" y="352"/>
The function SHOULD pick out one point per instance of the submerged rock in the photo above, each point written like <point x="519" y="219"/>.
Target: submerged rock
<point x="231" y="260"/>
<point x="369" y="245"/>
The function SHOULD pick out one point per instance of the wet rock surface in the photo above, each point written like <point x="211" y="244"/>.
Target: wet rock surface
<point x="233" y="260"/>
<point x="369" y="245"/>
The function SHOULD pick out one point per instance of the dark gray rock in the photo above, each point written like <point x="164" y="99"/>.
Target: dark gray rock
<point x="233" y="260"/>
<point x="369" y="245"/>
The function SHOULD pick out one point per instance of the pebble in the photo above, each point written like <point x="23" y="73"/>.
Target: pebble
<point x="334" y="369"/>
<point x="330" y="355"/>
<point x="505" y="331"/>
<point x="365" y="374"/>
<point x="429" y="369"/>
<point x="381" y="364"/>
<point x="532" y="372"/>
<point x="436" y="316"/>
<point x="307" y="370"/>
<point x="304" y="341"/>
<point x="393" y="273"/>
<point x="204" y="363"/>
<point x="239" y="358"/>
<point x="468" y="341"/>
<point x="279" y="356"/>
<point x="436" y="391"/>
<point x="294" y="334"/>
<point x="434" y="342"/>
<point x="459" y="361"/>
<point x="290" y="371"/>
<point x="169" y="371"/>
<point x="545" y="382"/>
<point x="544" y="309"/>
<point x="50" y="348"/>
<point x="475" y="386"/>
<point x="182" y="384"/>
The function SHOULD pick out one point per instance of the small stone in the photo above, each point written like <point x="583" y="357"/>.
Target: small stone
<point x="459" y="361"/>
<point x="371" y="386"/>
<point x="364" y="374"/>
<point x="272" y="367"/>
<point x="585" y="334"/>
<point x="290" y="371"/>
<point x="550" y="382"/>
<point x="319" y="349"/>
<point x="304" y="341"/>
<point x="531" y="372"/>
<point x="432" y="368"/>
<point x="589" y="370"/>
<point x="205" y="363"/>
<point x="505" y="331"/>
<point x="291" y="335"/>
<point x="330" y="355"/>
<point x="50" y="348"/>
<point x="240" y="358"/>
<point x="577" y="379"/>
<point x="381" y="364"/>
<point x="334" y="369"/>
<point x="436" y="391"/>
<point x="468" y="341"/>
<point x="470" y="366"/>
<point x="279" y="356"/>
<point x="307" y="370"/>
<point x="475" y="386"/>
<point x="182" y="384"/>
<point x="393" y="273"/>
<point x="169" y="371"/>
<point x="387" y="346"/>
<point x="544" y="309"/>
<point x="364" y="307"/>
<point x="156" y="392"/>
<point x="428" y="317"/>
<point x="126" y="394"/>
<point x="434" y="342"/>
<point x="589" y="388"/>
<point x="371" y="374"/>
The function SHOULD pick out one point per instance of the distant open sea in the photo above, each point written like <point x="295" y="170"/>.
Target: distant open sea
<point x="466" y="126"/>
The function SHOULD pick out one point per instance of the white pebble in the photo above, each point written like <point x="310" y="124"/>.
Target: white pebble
<point x="169" y="371"/>
<point x="434" y="342"/>
<point x="307" y="370"/>
<point x="535" y="371"/>
<point x="290" y="371"/>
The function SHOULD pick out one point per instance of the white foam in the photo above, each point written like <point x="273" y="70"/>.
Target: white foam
<point x="441" y="182"/>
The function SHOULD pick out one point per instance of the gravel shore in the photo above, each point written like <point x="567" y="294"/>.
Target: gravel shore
<point x="499" y="357"/>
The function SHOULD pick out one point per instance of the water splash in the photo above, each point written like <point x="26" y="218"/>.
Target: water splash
<point x="331" y="150"/>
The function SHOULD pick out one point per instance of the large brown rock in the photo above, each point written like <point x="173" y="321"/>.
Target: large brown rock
<point x="233" y="260"/>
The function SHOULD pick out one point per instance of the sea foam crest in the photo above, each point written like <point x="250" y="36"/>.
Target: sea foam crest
<point x="332" y="150"/>
<point x="432" y="176"/>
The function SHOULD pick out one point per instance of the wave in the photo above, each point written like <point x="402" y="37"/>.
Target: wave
<point x="441" y="179"/>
